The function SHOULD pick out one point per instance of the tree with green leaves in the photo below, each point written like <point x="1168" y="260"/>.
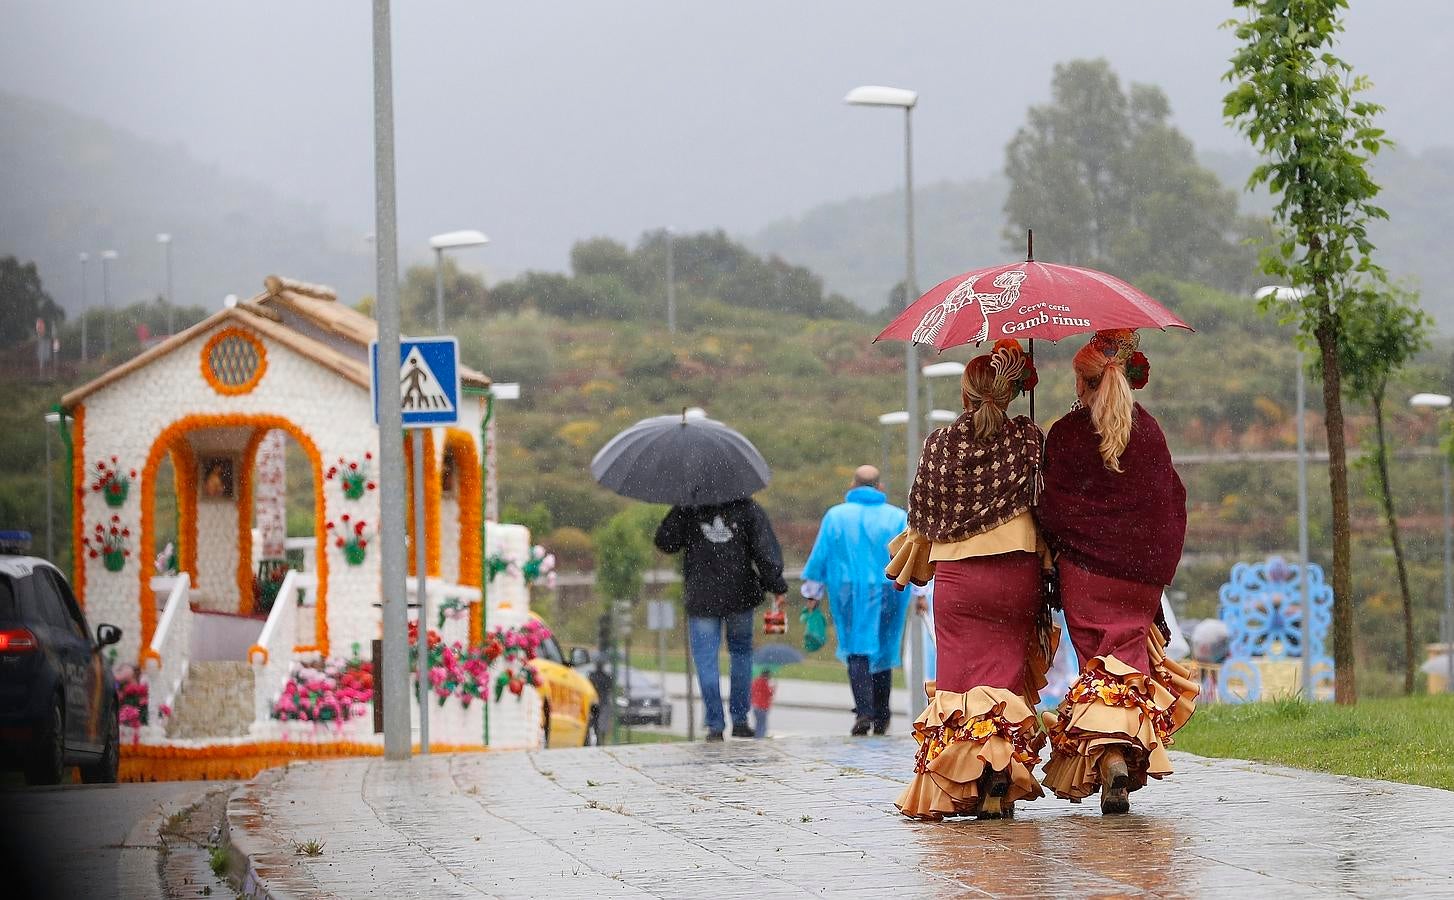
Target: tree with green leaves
<point x="1384" y="331"/>
<point x="464" y="293"/>
<point x="1300" y="107"/>
<point x="623" y="550"/>
<point x="1107" y="181"/>
<point x="23" y="300"/>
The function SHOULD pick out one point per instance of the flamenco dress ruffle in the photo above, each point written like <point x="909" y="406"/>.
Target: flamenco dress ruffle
<point x="1115" y="705"/>
<point x="962" y="737"/>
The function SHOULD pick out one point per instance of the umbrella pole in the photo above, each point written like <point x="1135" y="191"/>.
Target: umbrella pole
<point x="1032" y="390"/>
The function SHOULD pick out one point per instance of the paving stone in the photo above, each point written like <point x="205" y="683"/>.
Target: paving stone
<point x="815" y="817"/>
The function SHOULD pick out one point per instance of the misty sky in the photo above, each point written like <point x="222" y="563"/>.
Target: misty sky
<point x="545" y="122"/>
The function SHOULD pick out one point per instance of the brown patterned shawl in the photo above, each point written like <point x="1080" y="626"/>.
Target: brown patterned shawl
<point x="966" y="487"/>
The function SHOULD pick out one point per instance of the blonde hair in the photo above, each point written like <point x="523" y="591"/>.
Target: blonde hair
<point x="988" y="385"/>
<point x="1102" y="364"/>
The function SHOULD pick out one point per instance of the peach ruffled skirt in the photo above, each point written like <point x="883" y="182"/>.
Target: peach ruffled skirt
<point x="961" y="738"/>
<point x="1113" y="704"/>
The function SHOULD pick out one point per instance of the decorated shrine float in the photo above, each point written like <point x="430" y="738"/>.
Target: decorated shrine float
<point x="244" y="647"/>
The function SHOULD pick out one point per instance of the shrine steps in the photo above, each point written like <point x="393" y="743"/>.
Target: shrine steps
<point x="216" y="700"/>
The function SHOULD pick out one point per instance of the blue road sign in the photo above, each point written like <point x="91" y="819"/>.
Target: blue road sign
<point x="428" y="381"/>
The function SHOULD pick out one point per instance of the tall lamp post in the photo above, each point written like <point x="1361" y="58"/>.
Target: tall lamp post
<point x="1442" y="402"/>
<point x="886" y="421"/>
<point x="51" y="420"/>
<point x="452" y="240"/>
<point x="1283" y="293"/>
<point x="106" y="257"/>
<point x="166" y="241"/>
<point x="901" y="98"/>
<point x="85" y="307"/>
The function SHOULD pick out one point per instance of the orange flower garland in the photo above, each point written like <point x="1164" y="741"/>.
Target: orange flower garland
<point x="432" y="490"/>
<point x="461" y="446"/>
<point x="176" y="431"/>
<point x="184" y="480"/>
<point x="220" y="386"/>
<point x="244" y="521"/>
<point x="78" y="504"/>
<point x="153" y="762"/>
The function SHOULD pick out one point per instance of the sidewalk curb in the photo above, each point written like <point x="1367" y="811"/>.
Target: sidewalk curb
<point x="261" y="867"/>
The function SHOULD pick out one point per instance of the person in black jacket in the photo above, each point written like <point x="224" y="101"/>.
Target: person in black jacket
<point x="732" y="559"/>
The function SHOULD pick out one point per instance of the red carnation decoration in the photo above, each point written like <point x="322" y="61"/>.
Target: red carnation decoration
<point x="1138" y="370"/>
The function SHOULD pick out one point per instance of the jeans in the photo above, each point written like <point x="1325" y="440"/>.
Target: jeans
<point x="870" y="690"/>
<point x="759" y="722"/>
<point x="705" y="635"/>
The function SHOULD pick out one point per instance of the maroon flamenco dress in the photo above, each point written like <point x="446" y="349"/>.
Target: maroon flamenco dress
<point x="1118" y="539"/>
<point x="971" y="530"/>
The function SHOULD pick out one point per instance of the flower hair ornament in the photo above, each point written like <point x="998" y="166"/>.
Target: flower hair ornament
<point x="1123" y="346"/>
<point x="1012" y="368"/>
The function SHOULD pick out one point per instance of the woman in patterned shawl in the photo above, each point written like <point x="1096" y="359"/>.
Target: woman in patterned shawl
<point x="971" y="530"/>
<point x="1114" y="512"/>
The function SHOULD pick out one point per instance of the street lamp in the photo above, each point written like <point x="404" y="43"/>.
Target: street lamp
<point x="51" y="418"/>
<point x="938" y="370"/>
<point x="900" y="98"/>
<point x="1289" y="294"/>
<point x="166" y="241"/>
<point x="886" y="421"/>
<point x="106" y="257"/>
<point x="452" y="240"/>
<point x="1442" y="402"/>
<point x="85" y="304"/>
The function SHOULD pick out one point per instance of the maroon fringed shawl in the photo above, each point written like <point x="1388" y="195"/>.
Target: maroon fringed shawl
<point x="1128" y="525"/>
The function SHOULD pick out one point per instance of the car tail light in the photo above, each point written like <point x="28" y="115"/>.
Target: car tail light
<point x="17" y="640"/>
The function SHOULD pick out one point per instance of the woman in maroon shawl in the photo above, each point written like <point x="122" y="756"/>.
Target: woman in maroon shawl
<point x="971" y="530"/>
<point x="1114" y="512"/>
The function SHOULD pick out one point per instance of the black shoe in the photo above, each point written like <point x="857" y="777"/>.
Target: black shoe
<point x="881" y="728"/>
<point x="861" y="725"/>
<point x="714" y="737"/>
<point x="742" y="729"/>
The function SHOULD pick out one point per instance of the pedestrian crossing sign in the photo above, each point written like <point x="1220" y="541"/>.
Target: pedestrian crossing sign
<point x="428" y="381"/>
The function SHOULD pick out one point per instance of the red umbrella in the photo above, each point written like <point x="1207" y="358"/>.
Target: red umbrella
<point x="1026" y="300"/>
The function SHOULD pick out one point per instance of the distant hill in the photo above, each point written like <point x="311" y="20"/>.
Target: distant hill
<point x="73" y="184"/>
<point x="857" y="245"/>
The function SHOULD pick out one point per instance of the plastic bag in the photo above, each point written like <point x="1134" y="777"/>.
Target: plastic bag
<point x="815" y="628"/>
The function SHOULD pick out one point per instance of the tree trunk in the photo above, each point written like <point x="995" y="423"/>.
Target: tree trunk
<point x="1345" y="686"/>
<point x="1386" y="493"/>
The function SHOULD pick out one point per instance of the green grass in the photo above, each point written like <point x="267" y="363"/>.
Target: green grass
<point x="1404" y="739"/>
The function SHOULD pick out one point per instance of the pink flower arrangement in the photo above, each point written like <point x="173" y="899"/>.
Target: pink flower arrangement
<point x="132" y="697"/>
<point x="339" y="691"/>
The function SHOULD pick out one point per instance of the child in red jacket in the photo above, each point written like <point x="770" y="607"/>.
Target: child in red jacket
<point x="762" y="692"/>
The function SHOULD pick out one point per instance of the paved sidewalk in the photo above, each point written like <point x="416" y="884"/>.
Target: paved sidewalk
<point x="814" y="817"/>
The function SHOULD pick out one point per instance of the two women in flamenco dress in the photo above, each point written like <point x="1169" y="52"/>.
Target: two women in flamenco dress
<point x="997" y="512"/>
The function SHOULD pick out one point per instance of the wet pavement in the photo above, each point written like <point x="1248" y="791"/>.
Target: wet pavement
<point x="815" y="817"/>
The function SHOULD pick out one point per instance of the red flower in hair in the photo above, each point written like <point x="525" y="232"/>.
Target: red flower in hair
<point x="1138" y="370"/>
<point x="1029" y="378"/>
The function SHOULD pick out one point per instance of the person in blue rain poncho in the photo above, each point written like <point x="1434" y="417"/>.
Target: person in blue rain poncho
<point x="847" y="564"/>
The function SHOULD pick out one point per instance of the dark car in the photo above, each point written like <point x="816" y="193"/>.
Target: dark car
<point x="641" y="700"/>
<point x="58" y="703"/>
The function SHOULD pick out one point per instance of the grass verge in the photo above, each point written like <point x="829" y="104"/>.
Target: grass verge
<point x="1404" y="739"/>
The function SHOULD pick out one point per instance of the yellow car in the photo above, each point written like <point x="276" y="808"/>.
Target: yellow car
<point x="570" y="714"/>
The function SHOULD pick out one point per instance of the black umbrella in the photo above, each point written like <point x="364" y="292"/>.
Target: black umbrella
<point x="686" y="460"/>
<point x="776" y="655"/>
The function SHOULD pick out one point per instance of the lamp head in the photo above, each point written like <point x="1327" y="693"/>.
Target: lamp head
<point x="894" y="418"/>
<point x="878" y="95"/>
<point x="1430" y="401"/>
<point x="452" y="240"/>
